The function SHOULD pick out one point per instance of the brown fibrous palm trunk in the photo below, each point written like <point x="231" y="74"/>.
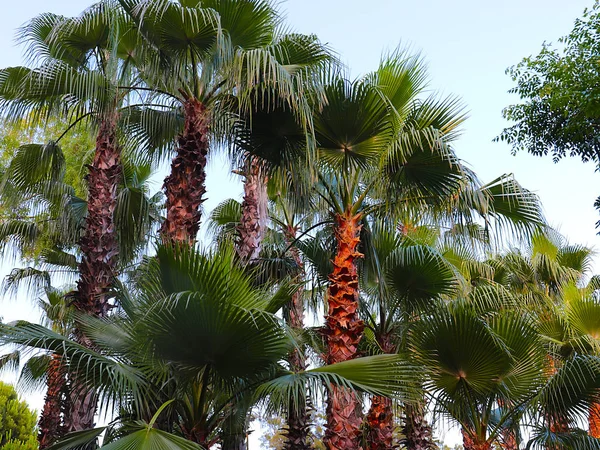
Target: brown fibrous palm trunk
<point x="99" y="249"/>
<point x="470" y="442"/>
<point x="297" y="427"/>
<point x="417" y="431"/>
<point x="185" y="186"/>
<point x="380" y="418"/>
<point x="343" y="332"/>
<point x="509" y="440"/>
<point x="594" y="420"/>
<point x="50" y="423"/>
<point x="253" y="224"/>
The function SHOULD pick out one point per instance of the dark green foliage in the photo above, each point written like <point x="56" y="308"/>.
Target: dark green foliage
<point x="559" y="113"/>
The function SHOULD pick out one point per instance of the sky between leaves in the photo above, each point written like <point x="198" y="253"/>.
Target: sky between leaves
<point x="468" y="44"/>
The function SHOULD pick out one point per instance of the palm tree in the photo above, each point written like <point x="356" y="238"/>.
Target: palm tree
<point x="84" y="61"/>
<point x="176" y="336"/>
<point x="282" y="258"/>
<point x="220" y="48"/>
<point x="401" y="279"/>
<point x="50" y="424"/>
<point x="44" y="369"/>
<point x="274" y="137"/>
<point x="273" y="143"/>
<point x="384" y="151"/>
<point x="562" y="404"/>
<point x="35" y="184"/>
<point x="570" y="329"/>
<point x="551" y="277"/>
<point x="482" y="372"/>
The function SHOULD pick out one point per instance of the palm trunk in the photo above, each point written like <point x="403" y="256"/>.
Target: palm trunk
<point x="83" y="402"/>
<point x="185" y="186"/>
<point x="98" y="245"/>
<point x="343" y="331"/>
<point x="594" y="420"/>
<point x="380" y="424"/>
<point x="99" y="250"/>
<point x="50" y="423"/>
<point x="380" y="419"/>
<point x="297" y="428"/>
<point x="509" y="440"/>
<point x="253" y="224"/>
<point x="471" y="442"/>
<point x="418" y="434"/>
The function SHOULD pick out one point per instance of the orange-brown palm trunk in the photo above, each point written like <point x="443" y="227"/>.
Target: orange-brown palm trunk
<point x="343" y="331"/>
<point x="380" y="425"/>
<point x="594" y="421"/>
<point x="185" y="185"/>
<point x="297" y="427"/>
<point x="471" y="442"/>
<point x="509" y="440"/>
<point x="380" y="418"/>
<point x="50" y="423"/>
<point x="253" y="223"/>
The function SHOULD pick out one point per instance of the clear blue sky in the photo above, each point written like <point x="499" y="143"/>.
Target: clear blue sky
<point x="468" y="44"/>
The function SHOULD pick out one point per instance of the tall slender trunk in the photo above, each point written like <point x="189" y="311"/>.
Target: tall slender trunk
<point x="471" y="442"/>
<point x="343" y="331"/>
<point x="380" y="418"/>
<point x="99" y="247"/>
<point x="253" y="223"/>
<point x="99" y="250"/>
<point x="297" y="426"/>
<point x="418" y="434"/>
<point x="594" y="420"/>
<point x="185" y="185"/>
<point x="50" y="423"/>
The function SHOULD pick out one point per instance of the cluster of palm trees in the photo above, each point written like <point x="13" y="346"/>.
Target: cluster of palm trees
<point x="355" y="206"/>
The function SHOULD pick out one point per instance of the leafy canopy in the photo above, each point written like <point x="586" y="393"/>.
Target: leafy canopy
<point x="17" y="421"/>
<point x="559" y="112"/>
